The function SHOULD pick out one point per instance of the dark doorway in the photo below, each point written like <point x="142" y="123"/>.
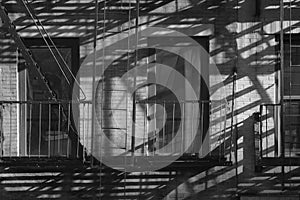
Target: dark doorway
<point x="46" y="129"/>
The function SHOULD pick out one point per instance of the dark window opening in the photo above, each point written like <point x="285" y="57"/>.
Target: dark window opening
<point x="46" y="130"/>
<point x="291" y="95"/>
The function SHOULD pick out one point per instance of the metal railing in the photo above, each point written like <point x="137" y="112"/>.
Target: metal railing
<point x="276" y="141"/>
<point x="39" y="129"/>
<point x="269" y="130"/>
<point x="185" y="128"/>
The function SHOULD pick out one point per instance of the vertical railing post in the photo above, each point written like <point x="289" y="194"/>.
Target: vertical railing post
<point x="257" y="140"/>
<point x="83" y="132"/>
<point x="49" y="130"/>
<point x="173" y="127"/>
<point x="193" y="116"/>
<point x="261" y="130"/>
<point x="10" y="129"/>
<point x="275" y="130"/>
<point x="202" y="106"/>
<point x="267" y="144"/>
<point x="30" y="128"/>
<point x="59" y="135"/>
<point x="40" y="128"/>
<point x="133" y="125"/>
<point x="222" y="141"/>
<point x="224" y="128"/>
<point x="182" y="127"/>
<point x="282" y="88"/>
<point x="209" y="105"/>
<point x="145" y="130"/>
<point x="234" y="77"/>
<point x="1" y="130"/>
<point x="68" y="128"/>
<point x="164" y="129"/>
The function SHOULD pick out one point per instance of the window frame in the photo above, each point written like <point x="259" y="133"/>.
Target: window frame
<point x="74" y="45"/>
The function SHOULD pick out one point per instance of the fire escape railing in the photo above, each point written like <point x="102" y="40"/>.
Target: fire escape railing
<point x="272" y="146"/>
<point x="160" y="130"/>
<point x="267" y="134"/>
<point x="38" y="129"/>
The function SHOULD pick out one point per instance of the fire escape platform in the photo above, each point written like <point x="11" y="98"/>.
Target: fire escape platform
<point x="273" y="161"/>
<point x="43" y="162"/>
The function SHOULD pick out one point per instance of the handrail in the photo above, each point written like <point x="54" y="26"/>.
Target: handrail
<point x="45" y="101"/>
<point x="174" y="101"/>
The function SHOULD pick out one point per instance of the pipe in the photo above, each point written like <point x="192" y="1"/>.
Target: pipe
<point x="282" y="88"/>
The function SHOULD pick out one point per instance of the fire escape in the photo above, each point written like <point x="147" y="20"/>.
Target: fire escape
<point x="220" y="156"/>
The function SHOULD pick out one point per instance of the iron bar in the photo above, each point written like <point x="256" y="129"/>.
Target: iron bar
<point x="267" y="144"/>
<point x="164" y="121"/>
<point x="234" y="77"/>
<point x="40" y="128"/>
<point x="49" y="130"/>
<point x="193" y="142"/>
<point x="10" y="129"/>
<point x="83" y="133"/>
<point x="182" y="128"/>
<point x="282" y="88"/>
<point x="261" y="130"/>
<point x="30" y="129"/>
<point x="25" y="126"/>
<point x="59" y="134"/>
<point x="220" y="146"/>
<point x="68" y="128"/>
<point x="201" y="128"/>
<point x="144" y="132"/>
<point x="210" y="128"/>
<point x="173" y="128"/>
<point x="1" y="129"/>
<point x="94" y="78"/>
<point x="224" y="129"/>
<point x="134" y="78"/>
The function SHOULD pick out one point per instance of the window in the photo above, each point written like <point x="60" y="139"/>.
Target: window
<point x="292" y="95"/>
<point x="39" y="136"/>
<point x="162" y="94"/>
